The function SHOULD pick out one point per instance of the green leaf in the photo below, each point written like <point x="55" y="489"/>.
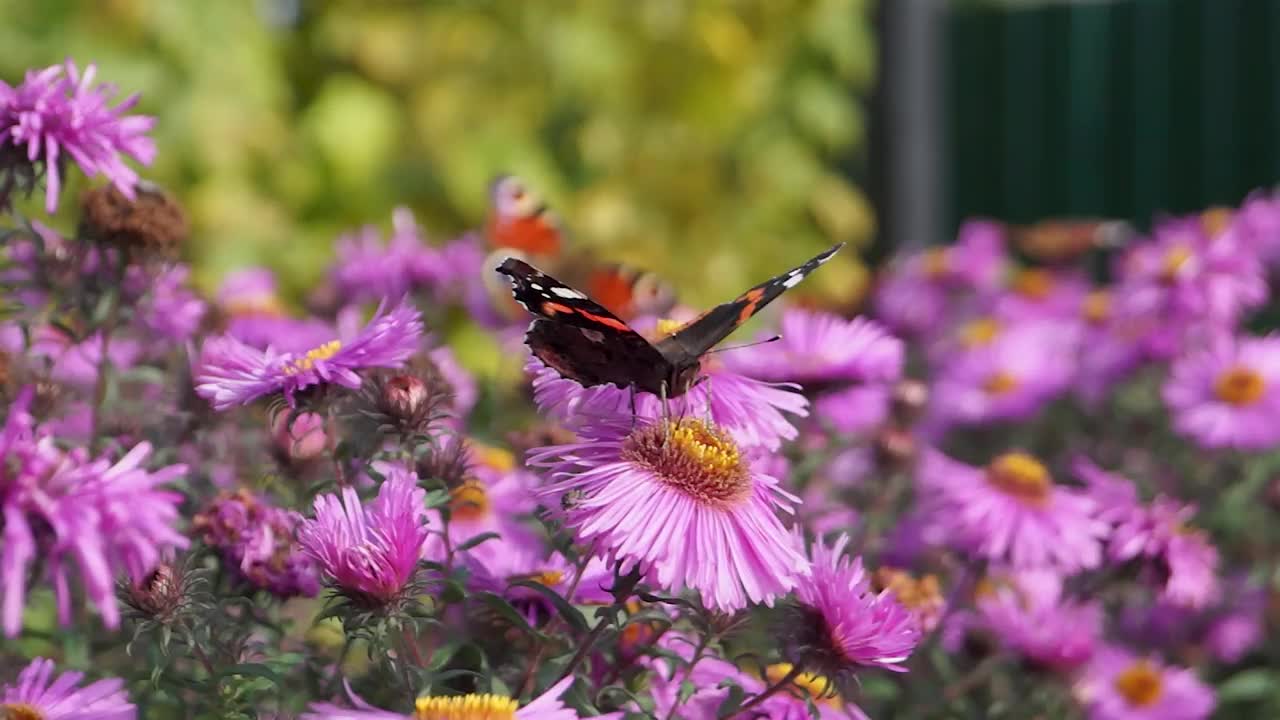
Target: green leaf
<point x="478" y="539"/>
<point x="571" y="614"/>
<point x="1247" y="686"/>
<point x="251" y="670"/>
<point x="499" y="604"/>
<point x="732" y="701"/>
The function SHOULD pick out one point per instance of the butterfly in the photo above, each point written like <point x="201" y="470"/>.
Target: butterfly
<point x="521" y="225"/>
<point x="1057" y="242"/>
<point x="585" y="342"/>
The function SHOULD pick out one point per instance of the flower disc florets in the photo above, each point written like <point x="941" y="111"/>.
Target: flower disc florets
<point x="699" y="460"/>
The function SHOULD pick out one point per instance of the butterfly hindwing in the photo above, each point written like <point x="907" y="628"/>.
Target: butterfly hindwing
<point x="708" y="329"/>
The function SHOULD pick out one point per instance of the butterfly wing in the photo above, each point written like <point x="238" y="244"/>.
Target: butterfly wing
<point x="707" y="330"/>
<point x="629" y="292"/>
<point x="579" y="338"/>
<point x="519" y="220"/>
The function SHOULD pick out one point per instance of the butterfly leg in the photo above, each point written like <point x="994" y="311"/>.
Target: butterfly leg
<point x="666" y="412"/>
<point x="632" y="388"/>
<point x="707" y="396"/>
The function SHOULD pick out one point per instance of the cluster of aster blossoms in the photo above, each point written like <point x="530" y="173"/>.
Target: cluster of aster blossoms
<point x="1006" y="489"/>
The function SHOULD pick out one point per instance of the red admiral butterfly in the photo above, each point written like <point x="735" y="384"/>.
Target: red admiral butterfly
<point x="520" y="225"/>
<point x="584" y="342"/>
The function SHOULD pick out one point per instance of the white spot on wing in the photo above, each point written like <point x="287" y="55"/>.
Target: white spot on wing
<point x="535" y="286"/>
<point x="568" y="293"/>
<point x="793" y="280"/>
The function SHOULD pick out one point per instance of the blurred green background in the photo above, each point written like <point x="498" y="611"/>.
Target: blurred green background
<point x="712" y="141"/>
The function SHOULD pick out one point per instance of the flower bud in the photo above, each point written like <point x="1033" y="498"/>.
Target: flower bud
<point x="404" y="397"/>
<point x="159" y="595"/>
<point x="299" y="438"/>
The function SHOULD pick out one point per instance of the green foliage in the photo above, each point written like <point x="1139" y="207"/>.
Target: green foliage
<point x="709" y="140"/>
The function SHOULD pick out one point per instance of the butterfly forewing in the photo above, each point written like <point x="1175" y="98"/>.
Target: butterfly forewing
<point x="708" y="329"/>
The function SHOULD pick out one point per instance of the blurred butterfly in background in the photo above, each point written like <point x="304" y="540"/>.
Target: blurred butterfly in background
<point x="521" y="226"/>
<point x="1066" y="241"/>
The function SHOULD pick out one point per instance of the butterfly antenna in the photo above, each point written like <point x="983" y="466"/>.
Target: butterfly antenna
<point x="766" y="341"/>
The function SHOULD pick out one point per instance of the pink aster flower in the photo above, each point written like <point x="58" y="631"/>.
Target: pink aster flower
<point x="55" y="116"/>
<point x="1039" y="293"/>
<point x="1184" y="273"/>
<point x="39" y="693"/>
<point x="369" y="553"/>
<point x="231" y="373"/>
<point x="1028" y="613"/>
<point x="753" y="411"/>
<point x="1011" y="512"/>
<point x="1256" y="225"/>
<point x="257" y="540"/>
<point x="819" y="347"/>
<point x="365" y="269"/>
<point x="1009" y="378"/>
<point x="546" y="706"/>
<point x="1111" y="347"/>
<point x="681" y="498"/>
<point x="921" y="290"/>
<point x="1226" y="393"/>
<point x="855" y="410"/>
<point x="168" y="310"/>
<point x="710" y="679"/>
<point x="60" y="505"/>
<point x="1158" y="533"/>
<point x="844" y="623"/>
<point x="77" y="364"/>
<point x="1119" y="685"/>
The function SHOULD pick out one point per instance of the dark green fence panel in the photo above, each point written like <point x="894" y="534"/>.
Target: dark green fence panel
<point x="1119" y="109"/>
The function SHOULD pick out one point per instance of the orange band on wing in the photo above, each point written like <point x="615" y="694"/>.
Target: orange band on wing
<point x="752" y="299"/>
<point x="611" y="322"/>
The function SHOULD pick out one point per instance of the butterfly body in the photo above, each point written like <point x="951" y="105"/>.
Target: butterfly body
<point x="585" y="342"/>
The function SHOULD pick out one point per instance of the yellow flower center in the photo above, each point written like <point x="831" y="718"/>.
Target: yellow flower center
<point x="913" y="593"/>
<point x="254" y="305"/>
<point x="982" y="331"/>
<point x="937" y="262"/>
<point x="496" y="458"/>
<point x="818" y="686"/>
<point x="1174" y="260"/>
<point x="1097" y="306"/>
<point x="469" y="501"/>
<point x="550" y="578"/>
<point x="999" y="383"/>
<point x="20" y="711"/>
<point x="308" y="361"/>
<point x="667" y="326"/>
<point x="1140" y="684"/>
<point x="1033" y="283"/>
<point x="693" y="457"/>
<point x="465" y="707"/>
<point x="1020" y="476"/>
<point x="1239" y="386"/>
<point x="1215" y="220"/>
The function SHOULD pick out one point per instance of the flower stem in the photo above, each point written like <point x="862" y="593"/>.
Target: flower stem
<point x="688" y="669"/>
<point x="104" y="365"/>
